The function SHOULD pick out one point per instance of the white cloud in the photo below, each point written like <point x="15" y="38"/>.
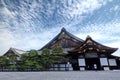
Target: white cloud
<point x="6" y="13"/>
<point x="77" y="10"/>
<point x="77" y="7"/>
<point x="115" y="8"/>
<point x="107" y="34"/>
<point x="32" y="40"/>
<point x="6" y="40"/>
<point x="95" y="35"/>
<point x="24" y="35"/>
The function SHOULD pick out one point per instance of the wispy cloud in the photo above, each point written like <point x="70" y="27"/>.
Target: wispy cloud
<point x="31" y="24"/>
<point x="107" y="34"/>
<point x="6" y="40"/>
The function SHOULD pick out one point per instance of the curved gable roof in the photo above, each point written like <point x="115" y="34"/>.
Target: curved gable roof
<point x="90" y="44"/>
<point x="14" y="51"/>
<point x="63" y="32"/>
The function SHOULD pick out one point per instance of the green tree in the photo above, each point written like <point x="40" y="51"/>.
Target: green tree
<point x="30" y="60"/>
<point x="34" y="58"/>
<point x="57" y="50"/>
<point x="46" y="59"/>
<point x="58" y="55"/>
<point x="22" y="62"/>
<point x="12" y="61"/>
<point x="3" y="62"/>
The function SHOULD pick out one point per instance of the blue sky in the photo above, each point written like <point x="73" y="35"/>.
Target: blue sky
<point x="30" y="24"/>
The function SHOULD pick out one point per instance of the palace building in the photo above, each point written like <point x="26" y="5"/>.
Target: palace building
<point x="81" y="54"/>
<point x="84" y="55"/>
<point x="14" y="51"/>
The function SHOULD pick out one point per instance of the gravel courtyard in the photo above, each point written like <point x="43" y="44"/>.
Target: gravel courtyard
<point x="64" y="75"/>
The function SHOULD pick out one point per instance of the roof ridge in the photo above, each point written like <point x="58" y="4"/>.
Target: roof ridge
<point x="63" y="29"/>
<point x="96" y="43"/>
<point x="14" y="50"/>
<point x="74" y="36"/>
<point x="66" y="32"/>
<point x="17" y="49"/>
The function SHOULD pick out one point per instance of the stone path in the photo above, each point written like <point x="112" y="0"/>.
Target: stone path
<point x="65" y="75"/>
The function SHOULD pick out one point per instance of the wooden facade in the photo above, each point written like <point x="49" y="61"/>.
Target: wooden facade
<point x="84" y="55"/>
<point x="91" y="55"/>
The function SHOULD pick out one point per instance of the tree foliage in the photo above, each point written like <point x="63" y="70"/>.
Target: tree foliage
<point x="57" y="50"/>
<point x="3" y="61"/>
<point x="30" y="60"/>
<point x="33" y="59"/>
<point x="46" y="58"/>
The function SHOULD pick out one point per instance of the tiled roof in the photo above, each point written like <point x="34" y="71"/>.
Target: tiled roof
<point x="63" y="30"/>
<point x="15" y="51"/>
<point x="90" y="44"/>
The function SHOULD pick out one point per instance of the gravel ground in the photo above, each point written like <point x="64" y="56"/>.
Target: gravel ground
<point x="62" y="75"/>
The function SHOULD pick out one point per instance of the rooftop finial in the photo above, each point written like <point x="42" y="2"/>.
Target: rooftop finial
<point x="63" y="29"/>
<point x="88" y="36"/>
